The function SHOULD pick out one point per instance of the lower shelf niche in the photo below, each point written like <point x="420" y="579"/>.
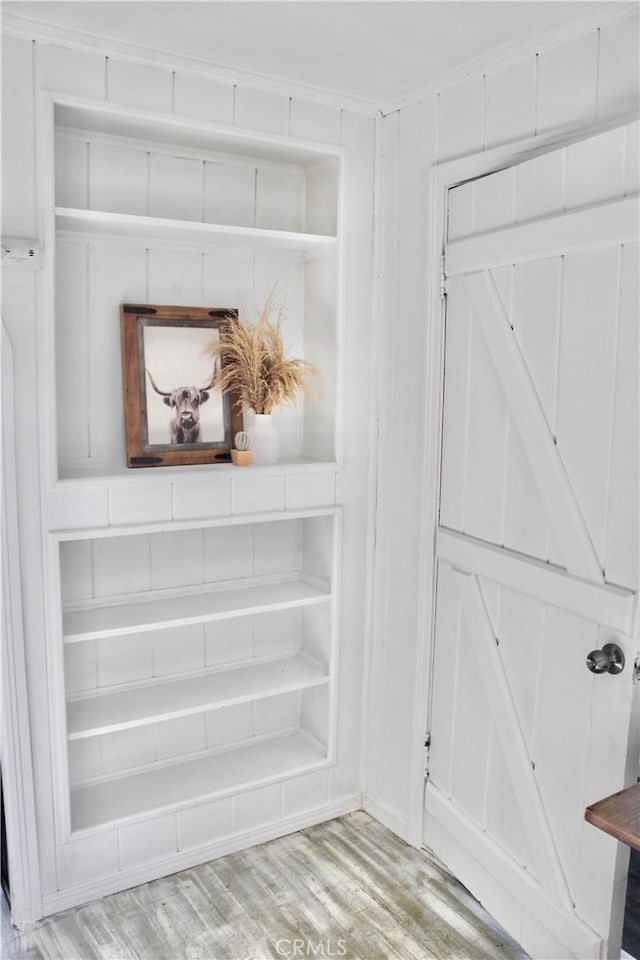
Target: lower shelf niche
<point x="219" y="773"/>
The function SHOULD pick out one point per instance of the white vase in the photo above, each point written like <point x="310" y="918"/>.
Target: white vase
<point x="264" y="439"/>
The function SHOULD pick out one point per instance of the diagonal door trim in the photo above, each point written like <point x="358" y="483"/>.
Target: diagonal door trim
<point x="511" y="737"/>
<point x="548" y="469"/>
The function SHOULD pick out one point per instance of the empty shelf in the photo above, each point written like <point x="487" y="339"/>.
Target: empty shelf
<point x="165" y="700"/>
<point x="193" y="232"/>
<point x="142" y="616"/>
<point x="216" y="774"/>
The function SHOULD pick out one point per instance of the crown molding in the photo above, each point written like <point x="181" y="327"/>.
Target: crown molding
<point x="18" y="25"/>
<point x="602" y="14"/>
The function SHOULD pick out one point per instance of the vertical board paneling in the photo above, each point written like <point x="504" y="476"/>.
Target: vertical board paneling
<point x="175" y="277"/>
<point x="275" y="714"/>
<point x="180" y="737"/>
<point x="539" y="186"/>
<point x="88" y="858"/>
<point x="277" y="633"/>
<point x="594" y="169"/>
<point x="228" y="281"/>
<point x="632" y="160"/>
<point x="560" y="760"/>
<point x="596" y="855"/>
<point x="228" y="553"/>
<point x="510" y="103"/>
<point x="203" y="98"/>
<point x="229" y="194"/>
<point x="485" y="426"/>
<point x="456" y="402"/>
<point x="126" y="749"/>
<point x="256" y="808"/>
<point x="460" y="119"/>
<point x="228" y="640"/>
<point x="535" y="322"/>
<point x="85" y="760"/>
<point x="81" y="667"/>
<point x="276" y="547"/>
<point x="139" y="85"/>
<point x="64" y="70"/>
<point x="416" y="152"/>
<point x="493" y="201"/>
<point x="146" y="841"/>
<point x="229" y="725"/>
<point x="524" y="530"/>
<point x="118" y="179"/>
<point x="18" y="151"/>
<point x="321" y="201"/>
<point x="585" y="389"/>
<point x="320" y="346"/>
<point x="72" y="351"/>
<point x="163" y="550"/>
<point x="315" y="121"/>
<point x="376" y="782"/>
<point x="117" y="275"/>
<point x="121" y="565"/>
<point x="71" y="172"/>
<point x="175" y="188"/>
<point x="76" y="580"/>
<point x="567" y="83"/>
<point x="178" y="649"/>
<point x="621" y="554"/>
<point x="124" y="659"/>
<point x="618" y="79"/>
<point x="280" y="198"/>
<point x="262" y="110"/>
<point x="204" y="824"/>
<point x="305" y="793"/>
<point x="470" y="742"/>
<point x="444" y="699"/>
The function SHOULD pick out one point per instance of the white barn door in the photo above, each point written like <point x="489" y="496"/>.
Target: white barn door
<point x="537" y="542"/>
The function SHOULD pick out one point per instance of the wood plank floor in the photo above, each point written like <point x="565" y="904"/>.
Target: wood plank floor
<point x="347" y="888"/>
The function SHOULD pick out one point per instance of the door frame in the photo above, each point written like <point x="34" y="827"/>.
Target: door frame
<point x="442" y="178"/>
<point x="15" y="742"/>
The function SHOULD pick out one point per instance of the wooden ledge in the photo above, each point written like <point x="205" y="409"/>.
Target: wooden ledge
<point x="618" y="815"/>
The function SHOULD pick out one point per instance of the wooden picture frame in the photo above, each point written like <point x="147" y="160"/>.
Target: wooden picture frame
<point x="172" y="415"/>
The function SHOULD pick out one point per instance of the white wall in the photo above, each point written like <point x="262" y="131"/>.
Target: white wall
<point x="590" y="76"/>
<point x="29" y="66"/>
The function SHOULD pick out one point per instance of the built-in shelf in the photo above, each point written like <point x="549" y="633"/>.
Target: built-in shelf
<point x="142" y="616"/>
<point x="106" y="224"/>
<point x="139" y="705"/>
<point x="203" y="777"/>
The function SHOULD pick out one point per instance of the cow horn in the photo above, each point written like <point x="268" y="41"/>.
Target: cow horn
<point x="213" y="377"/>
<point x="163" y="393"/>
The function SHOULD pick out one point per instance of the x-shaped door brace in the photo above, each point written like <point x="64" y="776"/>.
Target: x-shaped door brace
<point x="549" y="471"/>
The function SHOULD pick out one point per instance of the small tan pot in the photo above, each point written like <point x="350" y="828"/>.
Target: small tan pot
<point x="242" y="458"/>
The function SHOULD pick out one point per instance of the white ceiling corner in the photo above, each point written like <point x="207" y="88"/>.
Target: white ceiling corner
<point x="376" y="52"/>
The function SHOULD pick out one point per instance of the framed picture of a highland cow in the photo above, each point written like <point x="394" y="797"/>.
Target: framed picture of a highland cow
<point x="174" y="412"/>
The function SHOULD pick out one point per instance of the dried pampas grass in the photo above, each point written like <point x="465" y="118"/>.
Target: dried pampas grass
<point x="254" y="366"/>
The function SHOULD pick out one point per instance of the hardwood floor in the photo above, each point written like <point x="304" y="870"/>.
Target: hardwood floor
<point x="347" y="888"/>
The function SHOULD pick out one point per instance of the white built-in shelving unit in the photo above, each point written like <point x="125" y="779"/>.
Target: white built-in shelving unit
<point x="185" y="650"/>
<point x="193" y="610"/>
<point x="156" y="210"/>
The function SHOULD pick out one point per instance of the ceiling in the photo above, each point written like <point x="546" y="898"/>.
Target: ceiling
<point x="377" y="50"/>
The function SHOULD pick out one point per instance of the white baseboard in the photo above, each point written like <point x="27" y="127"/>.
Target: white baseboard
<point x="113" y="883"/>
<point x="387" y="817"/>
